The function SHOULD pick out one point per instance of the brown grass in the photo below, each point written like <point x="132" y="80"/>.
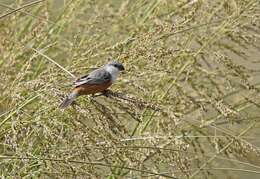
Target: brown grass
<point x="187" y="107"/>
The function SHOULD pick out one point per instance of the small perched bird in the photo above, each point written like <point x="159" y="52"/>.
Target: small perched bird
<point x="96" y="81"/>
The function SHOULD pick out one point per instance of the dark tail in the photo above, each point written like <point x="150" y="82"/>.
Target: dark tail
<point x="68" y="100"/>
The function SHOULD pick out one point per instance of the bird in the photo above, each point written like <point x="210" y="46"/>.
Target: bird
<point x="95" y="82"/>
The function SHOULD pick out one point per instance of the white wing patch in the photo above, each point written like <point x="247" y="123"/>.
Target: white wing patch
<point x="81" y="81"/>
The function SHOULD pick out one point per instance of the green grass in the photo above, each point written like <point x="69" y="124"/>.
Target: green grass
<point x="188" y="105"/>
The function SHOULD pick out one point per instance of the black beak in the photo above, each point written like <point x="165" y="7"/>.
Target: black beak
<point x="122" y="68"/>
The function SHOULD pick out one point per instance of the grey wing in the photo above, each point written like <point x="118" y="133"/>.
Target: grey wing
<point x="98" y="76"/>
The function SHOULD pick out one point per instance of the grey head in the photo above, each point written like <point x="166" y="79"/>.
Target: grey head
<point x="114" y="68"/>
<point x="116" y="64"/>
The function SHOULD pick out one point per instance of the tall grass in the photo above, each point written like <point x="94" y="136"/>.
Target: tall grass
<point x="187" y="107"/>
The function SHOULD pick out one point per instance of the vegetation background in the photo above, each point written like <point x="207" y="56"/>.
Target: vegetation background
<point x="189" y="103"/>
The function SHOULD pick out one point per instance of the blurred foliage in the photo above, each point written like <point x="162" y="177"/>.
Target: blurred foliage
<point x="197" y="61"/>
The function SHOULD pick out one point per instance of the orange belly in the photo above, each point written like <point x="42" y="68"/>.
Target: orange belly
<point x="86" y="89"/>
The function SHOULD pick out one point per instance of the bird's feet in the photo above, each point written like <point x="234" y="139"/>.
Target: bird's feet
<point x="106" y="92"/>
